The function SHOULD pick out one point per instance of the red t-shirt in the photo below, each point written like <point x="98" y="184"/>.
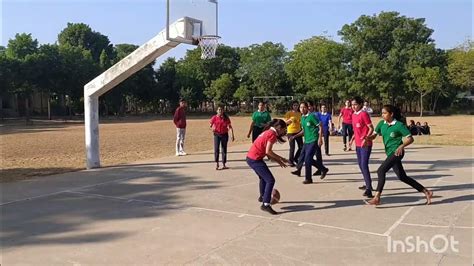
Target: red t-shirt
<point x="259" y="146"/>
<point x="347" y="115"/>
<point x="220" y="125"/>
<point x="360" y="121"/>
<point x="179" y="118"/>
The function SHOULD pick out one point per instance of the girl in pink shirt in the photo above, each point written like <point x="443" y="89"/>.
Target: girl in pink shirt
<point x="261" y="147"/>
<point x="363" y="128"/>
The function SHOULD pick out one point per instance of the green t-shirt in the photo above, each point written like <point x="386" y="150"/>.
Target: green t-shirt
<point x="261" y="118"/>
<point x="310" y="126"/>
<point x="392" y="134"/>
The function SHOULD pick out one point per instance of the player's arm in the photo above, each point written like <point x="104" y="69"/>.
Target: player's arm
<point x="275" y="157"/>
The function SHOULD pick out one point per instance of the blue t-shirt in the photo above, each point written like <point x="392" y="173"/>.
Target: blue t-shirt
<point x="324" y="120"/>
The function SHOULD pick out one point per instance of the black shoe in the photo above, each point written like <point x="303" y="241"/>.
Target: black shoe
<point x="268" y="208"/>
<point x="324" y="173"/>
<point x="345" y="148"/>
<point x="363" y="187"/>
<point x="260" y="199"/>
<point x="298" y="173"/>
<point x="306" y="181"/>
<point x="317" y="173"/>
<point x="368" y="194"/>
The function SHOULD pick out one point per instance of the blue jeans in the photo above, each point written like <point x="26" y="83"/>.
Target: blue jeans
<point x="363" y="156"/>
<point x="306" y="157"/>
<point x="267" y="181"/>
<point x="220" y="140"/>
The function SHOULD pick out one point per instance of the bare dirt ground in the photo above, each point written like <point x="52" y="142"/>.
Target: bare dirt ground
<point x="51" y="147"/>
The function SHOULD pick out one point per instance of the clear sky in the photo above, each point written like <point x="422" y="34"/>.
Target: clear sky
<point x="241" y="22"/>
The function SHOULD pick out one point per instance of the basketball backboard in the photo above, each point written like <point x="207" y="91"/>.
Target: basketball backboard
<point x="187" y="20"/>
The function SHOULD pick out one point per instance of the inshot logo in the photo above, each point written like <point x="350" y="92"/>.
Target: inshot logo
<point x="411" y="244"/>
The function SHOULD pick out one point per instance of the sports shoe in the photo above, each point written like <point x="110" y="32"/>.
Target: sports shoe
<point x="260" y="199"/>
<point x="368" y="194"/>
<point x="318" y="172"/>
<point x="183" y="153"/>
<point x="324" y="173"/>
<point x="268" y="208"/>
<point x="297" y="173"/>
<point x="363" y="187"/>
<point x="306" y="181"/>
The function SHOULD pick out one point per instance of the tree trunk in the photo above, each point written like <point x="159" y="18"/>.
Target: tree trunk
<point x="27" y="109"/>
<point x="1" y="107"/>
<point x="49" y="107"/>
<point x="421" y="104"/>
<point x="332" y="103"/>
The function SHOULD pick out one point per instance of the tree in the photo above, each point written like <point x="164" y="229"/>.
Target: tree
<point x="379" y="46"/>
<point x="81" y="35"/>
<point x="318" y="68"/>
<point x="425" y="81"/>
<point x="262" y="68"/>
<point x="221" y="89"/>
<point x="21" y="52"/>
<point x="461" y="66"/>
<point x="167" y="86"/>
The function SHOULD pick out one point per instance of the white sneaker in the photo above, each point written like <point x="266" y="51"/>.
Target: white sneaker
<point x="178" y="154"/>
<point x="183" y="153"/>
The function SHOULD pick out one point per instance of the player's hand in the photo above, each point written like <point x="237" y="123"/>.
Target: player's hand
<point x="320" y="142"/>
<point x="248" y="135"/>
<point x="399" y="151"/>
<point x="282" y="162"/>
<point x="233" y="138"/>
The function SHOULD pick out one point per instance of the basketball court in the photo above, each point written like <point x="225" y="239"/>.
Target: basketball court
<point x="180" y="210"/>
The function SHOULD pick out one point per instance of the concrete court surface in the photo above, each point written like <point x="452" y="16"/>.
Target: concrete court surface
<point x="180" y="210"/>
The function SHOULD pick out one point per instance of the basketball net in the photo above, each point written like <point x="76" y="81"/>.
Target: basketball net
<point x="208" y="46"/>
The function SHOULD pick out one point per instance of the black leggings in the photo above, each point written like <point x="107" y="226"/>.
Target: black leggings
<point x="395" y="162"/>
<point x="222" y="140"/>
<point x="256" y="131"/>
<point x="293" y="158"/>
<point x="347" y="131"/>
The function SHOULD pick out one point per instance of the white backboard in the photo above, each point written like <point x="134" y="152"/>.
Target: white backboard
<point x="189" y="19"/>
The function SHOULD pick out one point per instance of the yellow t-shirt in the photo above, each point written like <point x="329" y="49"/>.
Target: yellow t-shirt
<point x="295" y="125"/>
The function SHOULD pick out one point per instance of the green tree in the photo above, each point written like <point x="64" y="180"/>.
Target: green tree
<point x="221" y="89"/>
<point x="81" y="35"/>
<point x="318" y="68"/>
<point x="461" y="66"/>
<point x="380" y="47"/>
<point x="21" y="52"/>
<point x="424" y="81"/>
<point x="262" y="68"/>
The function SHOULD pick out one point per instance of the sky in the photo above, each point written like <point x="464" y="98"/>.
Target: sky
<point x="241" y="22"/>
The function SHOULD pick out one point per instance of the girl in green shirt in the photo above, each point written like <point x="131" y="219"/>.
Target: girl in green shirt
<point x="393" y="131"/>
<point x="259" y="119"/>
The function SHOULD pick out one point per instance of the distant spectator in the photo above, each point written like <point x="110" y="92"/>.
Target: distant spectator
<point x="425" y="129"/>
<point x="414" y="129"/>
<point x="367" y="108"/>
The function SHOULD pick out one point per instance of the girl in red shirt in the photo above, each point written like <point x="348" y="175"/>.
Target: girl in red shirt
<point x="220" y="125"/>
<point x="346" y="115"/>
<point x="262" y="146"/>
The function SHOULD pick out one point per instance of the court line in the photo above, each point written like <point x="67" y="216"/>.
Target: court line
<point x="404" y="215"/>
<point x="64" y="191"/>
<point x="299" y="223"/>
<point x="438" y="226"/>
<point x="239" y="214"/>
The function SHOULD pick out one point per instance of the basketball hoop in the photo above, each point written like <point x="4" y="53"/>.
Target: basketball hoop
<point x="208" y="44"/>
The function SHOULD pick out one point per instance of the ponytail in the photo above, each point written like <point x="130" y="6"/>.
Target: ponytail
<point x="397" y="113"/>
<point x="274" y="123"/>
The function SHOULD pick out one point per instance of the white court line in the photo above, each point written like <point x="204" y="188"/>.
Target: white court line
<point x="438" y="226"/>
<point x="299" y="223"/>
<point x="64" y="191"/>
<point x="404" y="215"/>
